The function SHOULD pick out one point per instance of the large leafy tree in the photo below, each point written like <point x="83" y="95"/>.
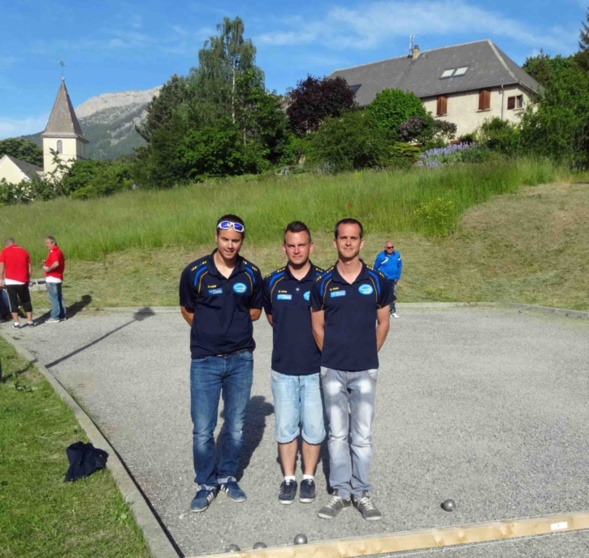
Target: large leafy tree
<point x="558" y="125"/>
<point x="22" y="149"/>
<point x="392" y="107"/>
<point x="218" y="121"/>
<point x="314" y="99"/>
<point x="582" y="57"/>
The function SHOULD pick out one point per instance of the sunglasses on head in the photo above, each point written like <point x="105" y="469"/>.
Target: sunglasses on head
<point x="226" y="225"/>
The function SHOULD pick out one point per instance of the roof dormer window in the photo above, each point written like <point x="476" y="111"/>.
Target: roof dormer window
<point x="454" y="72"/>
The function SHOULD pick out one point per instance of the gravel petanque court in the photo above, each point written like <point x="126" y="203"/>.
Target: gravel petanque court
<point x="484" y="405"/>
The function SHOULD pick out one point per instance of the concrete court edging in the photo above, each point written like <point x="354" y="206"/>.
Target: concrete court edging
<point x="156" y="538"/>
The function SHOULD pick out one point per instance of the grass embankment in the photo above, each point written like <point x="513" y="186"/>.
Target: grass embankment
<point x="128" y="250"/>
<point x="40" y="514"/>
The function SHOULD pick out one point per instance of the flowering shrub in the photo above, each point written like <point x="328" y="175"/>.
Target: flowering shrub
<point x="452" y="154"/>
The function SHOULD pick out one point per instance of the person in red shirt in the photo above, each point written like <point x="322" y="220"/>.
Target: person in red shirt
<point x="53" y="267"/>
<point x="15" y="274"/>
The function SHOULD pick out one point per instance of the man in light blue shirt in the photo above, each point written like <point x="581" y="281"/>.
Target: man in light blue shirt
<point x="390" y="264"/>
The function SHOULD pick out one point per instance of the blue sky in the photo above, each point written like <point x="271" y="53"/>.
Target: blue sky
<point x="118" y="45"/>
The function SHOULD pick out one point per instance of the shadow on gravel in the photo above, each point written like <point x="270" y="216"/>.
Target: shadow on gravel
<point x="71" y="310"/>
<point x="138" y="316"/>
<point x="255" y="423"/>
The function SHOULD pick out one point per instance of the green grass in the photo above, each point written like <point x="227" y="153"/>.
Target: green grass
<point x="423" y="201"/>
<point x="40" y="514"/>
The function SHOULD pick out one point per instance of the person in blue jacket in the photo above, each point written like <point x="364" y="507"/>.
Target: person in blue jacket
<point x="390" y="264"/>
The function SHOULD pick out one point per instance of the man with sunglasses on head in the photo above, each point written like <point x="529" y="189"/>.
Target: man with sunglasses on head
<point x="390" y="264"/>
<point x="296" y="360"/>
<point x="220" y="297"/>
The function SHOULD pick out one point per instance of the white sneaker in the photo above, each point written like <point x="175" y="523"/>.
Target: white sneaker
<point x="395" y="315"/>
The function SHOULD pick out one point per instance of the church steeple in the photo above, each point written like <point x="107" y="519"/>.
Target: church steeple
<point x="63" y="133"/>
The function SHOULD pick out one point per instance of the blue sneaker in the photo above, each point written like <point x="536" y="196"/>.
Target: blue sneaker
<point x="204" y="496"/>
<point x="230" y="487"/>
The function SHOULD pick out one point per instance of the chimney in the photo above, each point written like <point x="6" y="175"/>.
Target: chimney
<point x="415" y="52"/>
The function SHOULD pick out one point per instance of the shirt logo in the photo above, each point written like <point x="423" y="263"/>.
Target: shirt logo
<point x="307" y="295"/>
<point x="365" y="289"/>
<point x="284" y="297"/>
<point x="335" y="294"/>
<point x="239" y="288"/>
<point x="215" y="291"/>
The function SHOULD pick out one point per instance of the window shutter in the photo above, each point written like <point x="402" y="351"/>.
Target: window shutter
<point x="484" y="99"/>
<point x="442" y="107"/>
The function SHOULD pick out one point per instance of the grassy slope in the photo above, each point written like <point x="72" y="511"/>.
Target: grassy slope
<point x="532" y="246"/>
<point x="40" y="514"/>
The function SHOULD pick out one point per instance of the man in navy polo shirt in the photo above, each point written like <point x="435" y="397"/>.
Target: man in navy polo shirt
<point x="295" y="363"/>
<point x="350" y="319"/>
<point x="220" y="297"/>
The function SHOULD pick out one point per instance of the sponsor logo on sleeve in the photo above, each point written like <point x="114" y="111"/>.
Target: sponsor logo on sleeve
<point x="239" y="288"/>
<point x="365" y="289"/>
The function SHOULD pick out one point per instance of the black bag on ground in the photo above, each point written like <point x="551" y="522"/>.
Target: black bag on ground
<point x="84" y="460"/>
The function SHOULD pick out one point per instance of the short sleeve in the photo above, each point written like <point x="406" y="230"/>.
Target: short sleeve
<point x="266" y="300"/>
<point x="316" y="298"/>
<point x="256" y="300"/>
<point x="186" y="291"/>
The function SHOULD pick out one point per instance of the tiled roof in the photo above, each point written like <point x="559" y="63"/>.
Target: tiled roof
<point x="487" y="66"/>
<point x="63" y="121"/>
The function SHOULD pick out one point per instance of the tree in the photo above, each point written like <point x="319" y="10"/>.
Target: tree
<point x="172" y="95"/>
<point x="557" y="126"/>
<point x="347" y="143"/>
<point x="314" y="99"/>
<point x="23" y="149"/>
<point x="582" y="57"/>
<point x="391" y="107"/>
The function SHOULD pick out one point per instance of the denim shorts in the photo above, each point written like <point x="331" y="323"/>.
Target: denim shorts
<point x="298" y="408"/>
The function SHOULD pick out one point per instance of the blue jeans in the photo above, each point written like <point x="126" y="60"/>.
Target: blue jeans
<point x="56" y="300"/>
<point x="210" y="377"/>
<point x="394" y="291"/>
<point x="349" y="405"/>
<point x="297" y="401"/>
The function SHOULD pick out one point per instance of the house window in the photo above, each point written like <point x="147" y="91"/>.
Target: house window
<point x="354" y="88"/>
<point x="447" y="73"/>
<point x="484" y="99"/>
<point x="59" y="146"/>
<point x="442" y="107"/>
<point x="515" y="102"/>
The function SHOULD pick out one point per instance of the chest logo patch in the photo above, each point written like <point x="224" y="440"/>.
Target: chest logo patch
<point x="365" y="289"/>
<point x="239" y="288"/>
<point x="307" y="295"/>
<point x="335" y="294"/>
<point x="284" y="297"/>
<point x="215" y="291"/>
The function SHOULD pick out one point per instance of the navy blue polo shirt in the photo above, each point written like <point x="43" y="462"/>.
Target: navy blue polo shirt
<point x="288" y="301"/>
<point x="222" y="322"/>
<point x="350" y="317"/>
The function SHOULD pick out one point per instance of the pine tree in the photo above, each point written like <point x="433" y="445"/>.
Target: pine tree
<point x="582" y="57"/>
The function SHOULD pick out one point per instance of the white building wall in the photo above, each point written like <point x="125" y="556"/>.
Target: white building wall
<point x="72" y="150"/>
<point x="463" y="108"/>
<point x="10" y="172"/>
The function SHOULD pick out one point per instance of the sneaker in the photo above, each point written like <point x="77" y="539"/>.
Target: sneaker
<point x="366" y="507"/>
<point x="31" y="324"/>
<point x="202" y="500"/>
<point x="16" y="326"/>
<point x="288" y="490"/>
<point x="52" y="321"/>
<point x="395" y="315"/>
<point x="334" y="506"/>
<point x="307" y="493"/>
<point x="232" y="490"/>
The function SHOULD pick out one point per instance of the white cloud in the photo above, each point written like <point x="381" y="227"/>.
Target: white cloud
<point x="13" y="127"/>
<point x="374" y="24"/>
